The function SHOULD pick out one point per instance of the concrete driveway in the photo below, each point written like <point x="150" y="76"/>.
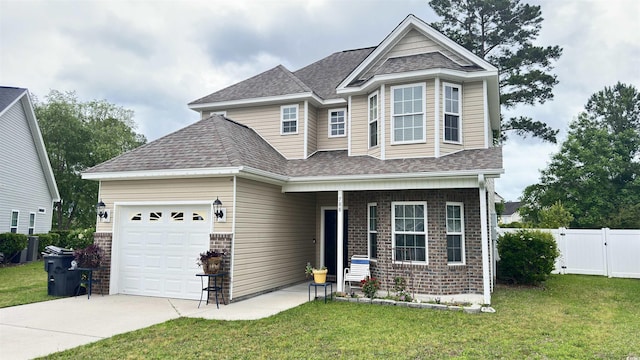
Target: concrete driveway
<point x="39" y="329"/>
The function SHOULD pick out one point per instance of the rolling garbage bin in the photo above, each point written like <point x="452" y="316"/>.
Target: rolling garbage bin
<point x="61" y="280"/>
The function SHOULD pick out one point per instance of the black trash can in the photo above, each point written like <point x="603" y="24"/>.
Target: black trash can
<point x="32" y="248"/>
<point x="61" y="280"/>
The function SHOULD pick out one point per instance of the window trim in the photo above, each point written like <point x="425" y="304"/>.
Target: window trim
<point x="12" y="228"/>
<point x="32" y="226"/>
<point x="369" y="231"/>
<point x="425" y="232"/>
<point x="461" y="233"/>
<point x="370" y="121"/>
<point x="282" y="120"/>
<point x="344" y="122"/>
<point x="445" y="112"/>
<point x="423" y="112"/>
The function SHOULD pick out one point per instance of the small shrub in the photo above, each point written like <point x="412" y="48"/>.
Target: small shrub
<point x="89" y="257"/>
<point x="526" y="256"/>
<point x="370" y="286"/>
<point x="79" y="238"/>
<point x="11" y="243"/>
<point x="400" y="288"/>
<point x="47" y="239"/>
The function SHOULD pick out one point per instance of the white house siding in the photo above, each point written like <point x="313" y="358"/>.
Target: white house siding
<point x="23" y="186"/>
<point x="324" y="141"/>
<point x="266" y="121"/>
<point x="273" y="239"/>
<point x="166" y="191"/>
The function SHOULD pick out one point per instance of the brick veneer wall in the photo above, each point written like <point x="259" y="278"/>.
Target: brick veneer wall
<point x="436" y="278"/>
<point x="222" y="242"/>
<point x="104" y="240"/>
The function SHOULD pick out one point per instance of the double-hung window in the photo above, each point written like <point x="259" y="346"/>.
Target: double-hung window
<point x="32" y="223"/>
<point x="289" y="119"/>
<point x="337" y="121"/>
<point x="452" y="111"/>
<point x="455" y="233"/>
<point x="372" y="225"/>
<point x="373" y="120"/>
<point x="14" y="221"/>
<point x="408" y="113"/>
<point x="410" y="231"/>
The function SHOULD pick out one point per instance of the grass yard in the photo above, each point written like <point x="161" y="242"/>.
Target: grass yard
<point x="579" y="317"/>
<point x="23" y="284"/>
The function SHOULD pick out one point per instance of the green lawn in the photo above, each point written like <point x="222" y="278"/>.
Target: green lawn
<point x="23" y="284"/>
<point x="580" y="317"/>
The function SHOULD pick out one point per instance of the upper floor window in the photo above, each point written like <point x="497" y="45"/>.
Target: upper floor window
<point x="337" y="122"/>
<point x="32" y="223"/>
<point x="289" y="119"/>
<point x="452" y="124"/>
<point x="409" y="231"/>
<point x="14" y="221"/>
<point x="373" y="120"/>
<point x="455" y="233"/>
<point x="408" y="113"/>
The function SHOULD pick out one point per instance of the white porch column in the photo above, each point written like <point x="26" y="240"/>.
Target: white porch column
<point x="486" y="275"/>
<point x="339" y="264"/>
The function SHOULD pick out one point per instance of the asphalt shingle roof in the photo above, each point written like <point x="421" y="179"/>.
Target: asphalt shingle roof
<point x="433" y="60"/>
<point x="9" y="95"/>
<point x="273" y="82"/>
<point x="219" y="142"/>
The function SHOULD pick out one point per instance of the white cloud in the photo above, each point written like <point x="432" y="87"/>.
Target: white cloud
<point x="154" y="57"/>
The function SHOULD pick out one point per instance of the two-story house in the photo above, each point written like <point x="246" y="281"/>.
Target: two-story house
<point x="28" y="188"/>
<point x="384" y="151"/>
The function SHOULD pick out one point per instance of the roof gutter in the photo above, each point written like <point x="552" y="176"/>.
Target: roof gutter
<point x="161" y="174"/>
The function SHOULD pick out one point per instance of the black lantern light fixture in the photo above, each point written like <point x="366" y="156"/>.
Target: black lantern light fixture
<point x="217" y="208"/>
<point x="101" y="210"/>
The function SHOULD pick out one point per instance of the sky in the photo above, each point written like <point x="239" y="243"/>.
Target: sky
<point x="154" y="57"/>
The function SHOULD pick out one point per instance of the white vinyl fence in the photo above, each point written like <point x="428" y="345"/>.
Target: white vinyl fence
<point x="612" y="253"/>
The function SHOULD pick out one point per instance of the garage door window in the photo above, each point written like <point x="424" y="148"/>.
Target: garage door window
<point x="135" y="217"/>
<point x="177" y="216"/>
<point x="155" y="216"/>
<point x="198" y="216"/>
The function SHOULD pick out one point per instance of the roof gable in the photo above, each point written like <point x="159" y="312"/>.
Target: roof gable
<point x="11" y="96"/>
<point x="412" y="37"/>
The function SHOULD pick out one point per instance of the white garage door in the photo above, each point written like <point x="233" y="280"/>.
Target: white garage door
<point x="159" y="246"/>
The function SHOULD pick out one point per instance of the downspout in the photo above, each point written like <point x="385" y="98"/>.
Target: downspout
<point x="486" y="276"/>
<point x="340" y="252"/>
<point x="305" y="141"/>
<point x="233" y="238"/>
<point x="383" y="133"/>
<point x="436" y="115"/>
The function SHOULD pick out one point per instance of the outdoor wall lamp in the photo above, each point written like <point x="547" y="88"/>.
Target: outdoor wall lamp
<point x="218" y="211"/>
<point x="102" y="211"/>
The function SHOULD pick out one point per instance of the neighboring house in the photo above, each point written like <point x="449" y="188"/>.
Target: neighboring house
<point x="511" y="213"/>
<point x="385" y="151"/>
<point x="27" y="186"/>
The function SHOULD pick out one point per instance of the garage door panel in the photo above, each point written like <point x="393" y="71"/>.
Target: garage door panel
<point x="158" y="258"/>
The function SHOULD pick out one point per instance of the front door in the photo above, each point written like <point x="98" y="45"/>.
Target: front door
<point x="331" y="240"/>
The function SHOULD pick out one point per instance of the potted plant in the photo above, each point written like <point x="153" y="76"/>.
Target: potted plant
<point x="319" y="275"/>
<point x="211" y="261"/>
<point x="89" y="257"/>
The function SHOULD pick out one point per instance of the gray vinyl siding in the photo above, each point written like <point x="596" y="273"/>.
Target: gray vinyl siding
<point x="23" y="186"/>
<point x="273" y="239"/>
